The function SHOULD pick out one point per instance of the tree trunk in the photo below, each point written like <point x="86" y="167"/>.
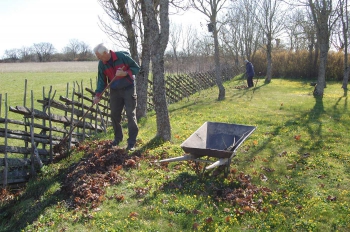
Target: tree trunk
<point x="269" y="61"/>
<point x="142" y="77"/>
<point x="217" y="66"/>
<point x="346" y="67"/>
<point x="321" y="80"/>
<point x="159" y="41"/>
<point x="321" y="16"/>
<point x="310" y="63"/>
<point x="345" y="26"/>
<point x="346" y="78"/>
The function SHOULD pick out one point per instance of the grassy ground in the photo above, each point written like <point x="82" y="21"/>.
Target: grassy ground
<point x="293" y="171"/>
<point x="20" y="82"/>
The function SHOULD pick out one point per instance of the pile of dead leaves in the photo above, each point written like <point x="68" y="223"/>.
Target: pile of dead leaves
<point x="9" y="194"/>
<point x="87" y="180"/>
<point x="247" y="197"/>
<point x="241" y="87"/>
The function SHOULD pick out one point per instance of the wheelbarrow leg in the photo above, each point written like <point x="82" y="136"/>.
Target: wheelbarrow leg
<point x="204" y="168"/>
<point x="228" y="164"/>
<point x="227" y="168"/>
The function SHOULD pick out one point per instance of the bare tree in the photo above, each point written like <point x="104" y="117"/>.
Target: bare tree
<point x="241" y="33"/>
<point x="77" y="50"/>
<point x="159" y="40"/>
<point x="72" y="49"/>
<point x="44" y="51"/>
<point x="298" y="28"/>
<point x="323" y="18"/>
<point x="302" y="36"/>
<point x="343" y="38"/>
<point x="11" y="55"/>
<point x="85" y="51"/>
<point x="231" y="35"/>
<point x="26" y="54"/>
<point x="251" y="30"/>
<point x="142" y="77"/>
<point x="211" y="9"/>
<point x="270" y="16"/>
<point x="174" y="40"/>
<point x="189" y="40"/>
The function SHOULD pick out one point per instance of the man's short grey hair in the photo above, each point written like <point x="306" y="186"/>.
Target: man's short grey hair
<point x="100" y="49"/>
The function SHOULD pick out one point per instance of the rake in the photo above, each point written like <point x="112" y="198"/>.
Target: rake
<point x="59" y="148"/>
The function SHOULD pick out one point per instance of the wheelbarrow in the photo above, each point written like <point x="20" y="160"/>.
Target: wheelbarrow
<point x="214" y="139"/>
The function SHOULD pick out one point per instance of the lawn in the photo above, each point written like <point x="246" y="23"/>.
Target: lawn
<point x="291" y="174"/>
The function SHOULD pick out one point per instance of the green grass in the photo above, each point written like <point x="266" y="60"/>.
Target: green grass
<point x="301" y="145"/>
<point x="13" y="84"/>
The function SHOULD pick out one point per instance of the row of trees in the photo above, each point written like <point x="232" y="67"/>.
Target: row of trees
<point x="45" y="52"/>
<point x="237" y="29"/>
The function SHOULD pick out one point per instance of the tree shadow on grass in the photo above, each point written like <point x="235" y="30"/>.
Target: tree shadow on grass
<point x="16" y="214"/>
<point x="311" y="122"/>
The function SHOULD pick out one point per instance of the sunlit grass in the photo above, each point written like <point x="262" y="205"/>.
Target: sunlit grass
<point x="301" y="146"/>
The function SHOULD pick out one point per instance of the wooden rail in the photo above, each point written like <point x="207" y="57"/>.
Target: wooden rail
<point x="38" y="139"/>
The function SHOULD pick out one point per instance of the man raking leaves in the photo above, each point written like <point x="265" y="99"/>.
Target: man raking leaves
<point x="116" y="70"/>
<point x="122" y="90"/>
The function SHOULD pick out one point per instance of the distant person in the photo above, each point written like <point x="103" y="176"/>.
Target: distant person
<point x="122" y="90"/>
<point x="250" y="73"/>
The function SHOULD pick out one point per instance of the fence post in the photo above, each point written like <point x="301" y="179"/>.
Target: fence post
<point x="0" y="103"/>
<point x="50" y="121"/>
<point x="32" y="134"/>
<point x="82" y="109"/>
<point x="43" y="120"/>
<point x="26" y="120"/>
<point x="71" y="122"/>
<point x="5" y="158"/>
<point x="65" y="112"/>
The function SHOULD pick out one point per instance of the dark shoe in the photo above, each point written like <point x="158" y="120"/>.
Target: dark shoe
<point x="115" y="143"/>
<point x="130" y="147"/>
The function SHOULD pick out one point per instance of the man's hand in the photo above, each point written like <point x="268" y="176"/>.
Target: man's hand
<point x="120" y="72"/>
<point x="96" y="100"/>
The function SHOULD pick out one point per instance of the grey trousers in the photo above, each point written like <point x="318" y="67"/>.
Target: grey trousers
<point x="118" y="99"/>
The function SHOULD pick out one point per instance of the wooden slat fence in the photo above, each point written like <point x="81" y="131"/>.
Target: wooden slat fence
<point x="59" y="116"/>
<point x="30" y="144"/>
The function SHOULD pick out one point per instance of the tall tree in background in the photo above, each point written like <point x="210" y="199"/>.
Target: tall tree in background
<point x="73" y="49"/>
<point x="270" y="16"/>
<point x="344" y="28"/>
<point x="159" y="29"/>
<point x="241" y="34"/>
<point x="211" y="8"/>
<point x="251" y="30"/>
<point x="189" y="41"/>
<point x="302" y="36"/>
<point x="322" y="15"/>
<point x="174" y="40"/>
<point x="44" y="51"/>
<point x="12" y="54"/>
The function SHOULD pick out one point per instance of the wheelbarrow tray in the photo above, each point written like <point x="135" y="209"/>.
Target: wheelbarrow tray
<point x="215" y="139"/>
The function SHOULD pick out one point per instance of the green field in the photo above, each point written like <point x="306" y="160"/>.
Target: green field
<point x="293" y="171"/>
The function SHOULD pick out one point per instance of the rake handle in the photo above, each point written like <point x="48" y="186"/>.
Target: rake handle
<point x="71" y="131"/>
